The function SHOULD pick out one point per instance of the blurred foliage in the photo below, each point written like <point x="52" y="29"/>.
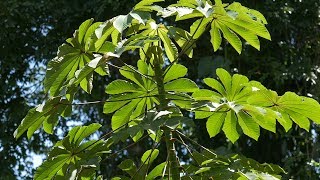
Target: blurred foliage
<point x="31" y="31"/>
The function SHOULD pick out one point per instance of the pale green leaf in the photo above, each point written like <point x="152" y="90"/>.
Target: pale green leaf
<point x="215" y="123"/>
<point x="176" y="71"/>
<point x="169" y="47"/>
<point x="132" y="75"/>
<point x="84" y="76"/>
<point x="248" y="125"/>
<point x="215" y="85"/>
<point x="83" y="29"/>
<point x="237" y="84"/>
<point x="103" y="32"/>
<point x="266" y="118"/>
<point x="247" y="35"/>
<point x="121" y="86"/>
<point x="226" y="79"/>
<point x="62" y="68"/>
<point x="205" y="94"/>
<point x="181" y="85"/>
<point x="263" y="98"/>
<point x="183" y="39"/>
<point x="230" y="127"/>
<point x="203" y="114"/>
<point x="90" y="38"/>
<point x="258" y="15"/>
<point x="299" y="119"/>
<point x="284" y="119"/>
<point x="303" y="105"/>
<point x="255" y="27"/>
<point x="215" y="36"/>
<point x="231" y="37"/>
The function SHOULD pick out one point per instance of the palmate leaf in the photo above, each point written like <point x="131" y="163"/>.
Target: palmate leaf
<point x="73" y="56"/>
<point x="231" y="166"/>
<point x="135" y="97"/>
<point x="238" y="103"/>
<point x="230" y="21"/>
<point x="131" y="99"/>
<point x="68" y="158"/>
<point x="289" y="107"/>
<point x="46" y="114"/>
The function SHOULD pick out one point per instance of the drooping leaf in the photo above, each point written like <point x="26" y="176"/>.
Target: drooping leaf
<point x="170" y="49"/>
<point x="46" y="114"/>
<point x="248" y="125"/>
<point x="49" y="168"/>
<point x="214" y="123"/>
<point x="230" y="127"/>
<point x="215" y="36"/>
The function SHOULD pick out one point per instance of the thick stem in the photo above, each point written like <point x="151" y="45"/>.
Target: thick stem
<point x="173" y="162"/>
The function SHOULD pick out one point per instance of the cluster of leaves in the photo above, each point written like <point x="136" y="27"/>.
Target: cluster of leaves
<point x="231" y="166"/>
<point x="235" y="101"/>
<point x="73" y="159"/>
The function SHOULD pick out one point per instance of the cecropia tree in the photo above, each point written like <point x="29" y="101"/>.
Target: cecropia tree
<point x="150" y="98"/>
